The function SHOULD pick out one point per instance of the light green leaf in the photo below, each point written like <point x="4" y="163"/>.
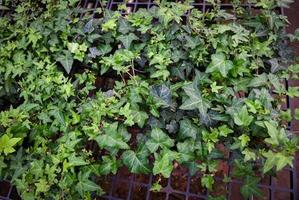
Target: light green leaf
<point x="7" y="144"/>
<point x="242" y="118"/>
<point x="276" y="159"/>
<point x="163" y="163"/>
<point x="220" y="64"/>
<point x="158" y="139"/>
<point x="76" y="161"/>
<point x="207" y="181"/>
<point x="112" y="138"/>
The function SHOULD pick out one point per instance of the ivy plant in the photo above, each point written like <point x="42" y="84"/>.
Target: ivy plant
<point x="83" y="96"/>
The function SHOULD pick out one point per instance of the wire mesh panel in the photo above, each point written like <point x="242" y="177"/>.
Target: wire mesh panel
<point x="181" y="185"/>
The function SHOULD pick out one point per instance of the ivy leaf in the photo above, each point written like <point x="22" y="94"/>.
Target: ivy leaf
<point x="66" y="60"/>
<point x="207" y="181"/>
<point x="111" y="138"/>
<point x="124" y="26"/>
<point x="156" y="187"/>
<point x="163" y="163"/>
<point x="42" y="186"/>
<point x="224" y="130"/>
<point x="195" y="100"/>
<point x="259" y="81"/>
<point x="7" y="144"/>
<point x="244" y="139"/>
<point x="109" y="165"/>
<point x="162" y="95"/>
<point x="127" y="39"/>
<point x="215" y="88"/>
<point x="276" y="136"/>
<point x="140" y="118"/>
<point x="293" y="92"/>
<point x="76" y="161"/>
<point x="186" y="151"/>
<point x="220" y="64"/>
<point x="85" y="185"/>
<point x="93" y="52"/>
<point x="242" y="118"/>
<point x="187" y="129"/>
<point x="276" y="159"/>
<point x="296" y="114"/>
<point x="104" y="49"/>
<point x="250" y="187"/>
<point x="158" y="139"/>
<point x="275" y="66"/>
<point x="136" y="162"/>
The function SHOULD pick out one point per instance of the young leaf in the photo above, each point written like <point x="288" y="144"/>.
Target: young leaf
<point x="7" y="144"/>
<point x="207" y="181"/>
<point x="242" y="118"/>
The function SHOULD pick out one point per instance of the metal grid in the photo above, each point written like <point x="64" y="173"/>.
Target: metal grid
<point x="180" y="186"/>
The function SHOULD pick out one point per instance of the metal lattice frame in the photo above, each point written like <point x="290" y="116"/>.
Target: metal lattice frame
<point x="127" y="186"/>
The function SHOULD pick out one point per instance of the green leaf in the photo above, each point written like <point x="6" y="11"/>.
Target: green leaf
<point x="109" y="165"/>
<point x="156" y="187"/>
<point x="136" y="162"/>
<point x="85" y="185"/>
<point x="66" y="60"/>
<point x="220" y="64"/>
<point x="124" y="26"/>
<point x="224" y="130"/>
<point x="293" y="92"/>
<point x="276" y="159"/>
<point x="195" y="100"/>
<point x="187" y="129"/>
<point x="250" y="187"/>
<point x="42" y="186"/>
<point x="76" y="161"/>
<point x="140" y="118"/>
<point x="158" y="139"/>
<point x="163" y="163"/>
<point x="215" y="88"/>
<point x="242" y="118"/>
<point x="296" y="114"/>
<point x="186" y="151"/>
<point x="276" y="136"/>
<point x="244" y="139"/>
<point x="127" y="39"/>
<point x="7" y="144"/>
<point x="207" y="181"/>
<point x="112" y="138"/>
<point x="162" y="95"/>
<point x="259" y="81"/>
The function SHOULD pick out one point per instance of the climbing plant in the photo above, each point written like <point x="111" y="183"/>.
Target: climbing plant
<point x="82" y="97"/>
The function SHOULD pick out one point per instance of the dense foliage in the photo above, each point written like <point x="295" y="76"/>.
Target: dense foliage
<point x="191" y="90"/>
